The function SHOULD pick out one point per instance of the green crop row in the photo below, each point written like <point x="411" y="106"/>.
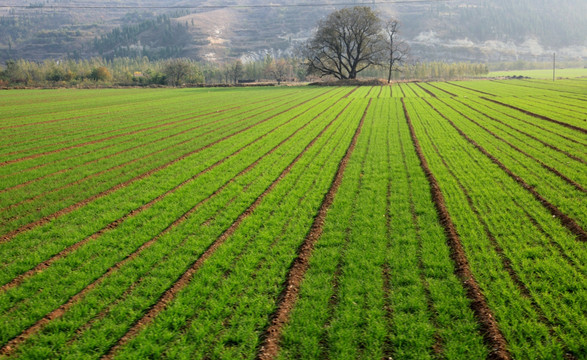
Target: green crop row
<point x="18" y="251"/>
<point x="508" y="151"/>
<point x="381" y="282"/>
<point x="168" y="223"/>
<point x="491" y="236"/>
<point x="159" y="277"/>
<point x="142" y="161"/>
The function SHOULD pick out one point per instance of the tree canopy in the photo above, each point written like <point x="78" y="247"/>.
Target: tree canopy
<point x="347" y="42"/>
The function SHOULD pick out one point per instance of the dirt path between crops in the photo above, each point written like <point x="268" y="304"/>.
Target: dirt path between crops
<point x="270" y="344"/>
<point x="490" y="330"/>
<point x="550" y="131"/>
<point x="438" y="346"/>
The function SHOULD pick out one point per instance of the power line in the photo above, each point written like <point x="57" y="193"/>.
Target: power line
<point x="208" y="7"/>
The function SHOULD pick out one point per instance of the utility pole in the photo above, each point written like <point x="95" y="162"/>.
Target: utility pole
<point x="553" y="66"/>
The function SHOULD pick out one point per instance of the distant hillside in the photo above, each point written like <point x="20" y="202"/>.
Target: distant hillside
<point x="477" y="30"/>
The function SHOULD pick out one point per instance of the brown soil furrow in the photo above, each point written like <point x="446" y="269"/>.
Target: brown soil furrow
<point x="538" y="116"/>
<point x="490" y="329"/>
<point x="50" y="121"/>
<point x="466" y="88"/>
<point x="578" y="112"/>
<point x="117" y="153"/>
<point x="438" y="346"/>
<point x="276" y="207"/>
<point x="446" y="91"/>
<point x="42" y="165"/>
<point x="10" y="347"/>
<point x="264" y="260"/>
<point x="425" y="90"/>
<point x="77" y="182"/>
<point x="333" y="301"/>
<point x="34" y="156"/>
<point x="16" y="281"/>
<point x="535" y="87"/>
<point x="572" y="97"/>
<point x="564" y="219"/>
<point x="270" y="346"/>
<point x="551" y="169"/>
<point x="528" y="135"/>
<point x="401" y="90"/>
<point x="258" y="268"/>
<point x="561" y="251"/>
<point x="505" y="260"/>
<point x="350" y="92"/>
<point x="84" y="129"/>
<point x="186" y="277"/>
<point x="82" y="203"/>
<point x="536" y="126"/>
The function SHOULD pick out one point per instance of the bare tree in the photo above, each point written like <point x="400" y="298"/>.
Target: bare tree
<point x="236" y="71"/>
<point x="397" y="49"/>
<point x="278" y="70"/>
<point x="179" y="70"/>
<point x="347" y="42"/>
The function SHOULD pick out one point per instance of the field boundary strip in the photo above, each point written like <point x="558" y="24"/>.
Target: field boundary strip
<point x="46" y="219"/>
<point x="490" y="329"/>
<point x="291" y="288"/>
<point x="538" y="116"/>
<point x="186" y="277"/>
<point x="569" y="223"/>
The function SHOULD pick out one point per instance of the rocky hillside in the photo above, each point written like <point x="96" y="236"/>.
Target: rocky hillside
<point x="476" y="30"/>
